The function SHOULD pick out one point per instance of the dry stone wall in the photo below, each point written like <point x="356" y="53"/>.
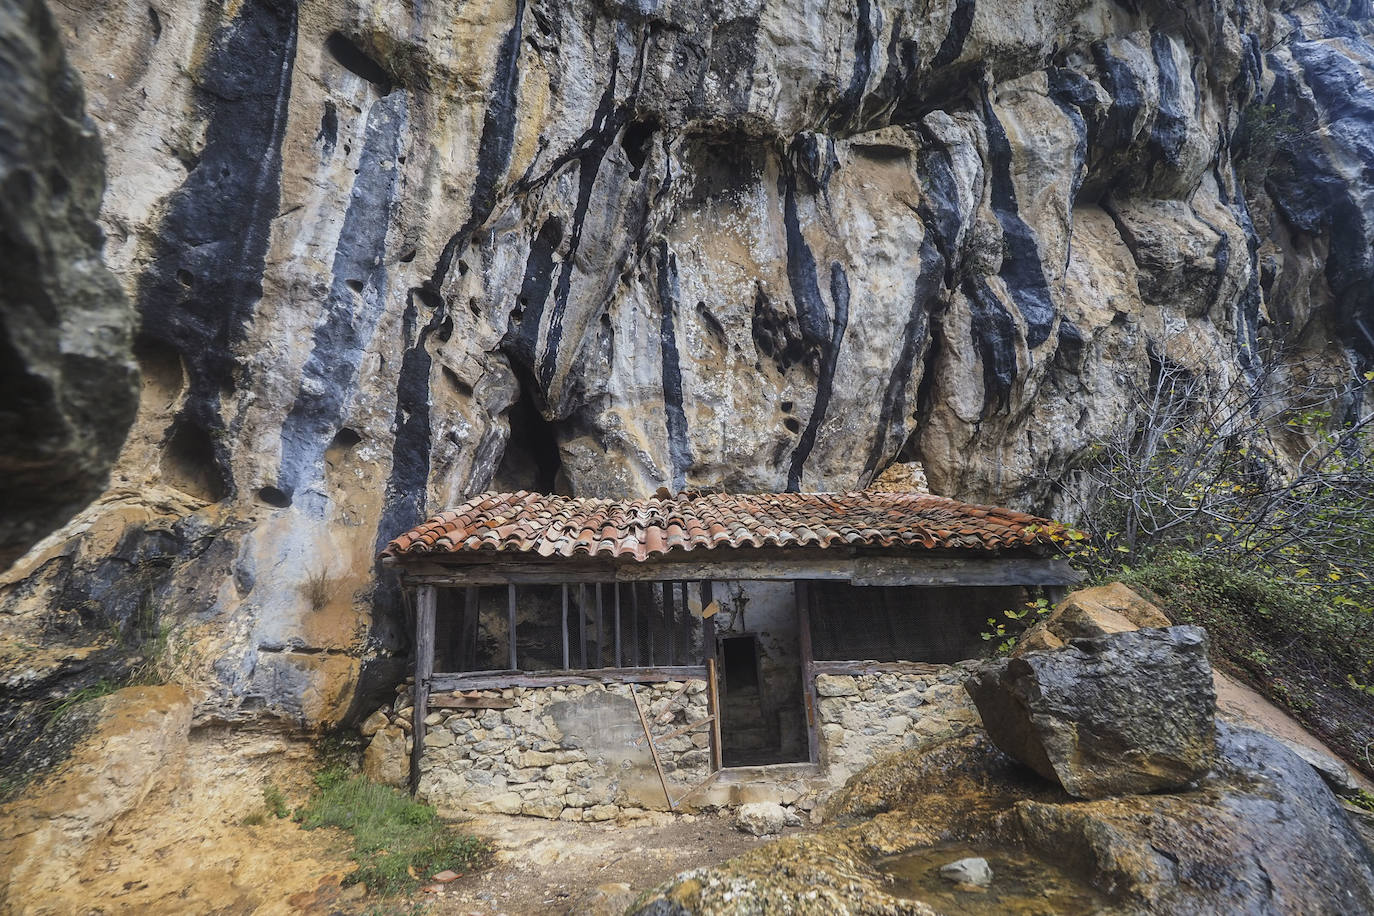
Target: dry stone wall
<point x="866" y="717"/>
<point x="570" y="752"/>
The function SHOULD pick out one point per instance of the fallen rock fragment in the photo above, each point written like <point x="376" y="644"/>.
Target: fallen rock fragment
<point x="1111" y="608"/>
<point x="973" y="870"/>
<point x="1125" y="712"/>
<point x="761" y="818"/>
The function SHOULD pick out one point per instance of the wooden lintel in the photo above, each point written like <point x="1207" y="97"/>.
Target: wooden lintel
<point x="451" y="702"/>
<point x="860" y="570"/>
<point x="871" y="667"/>
<point x="503" y="679"/>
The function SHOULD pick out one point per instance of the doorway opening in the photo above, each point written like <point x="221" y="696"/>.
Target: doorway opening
<point x="753" y="709"/>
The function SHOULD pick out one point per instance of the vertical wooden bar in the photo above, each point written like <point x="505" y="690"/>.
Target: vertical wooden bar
<point x="649" y="618"/>
<point x="803" y="598"/>
<point x="510" y="622"/>
<point x="708" y="624"/>
<point x="668" y="615"/>
<point x="653" y="748"/>
<point x="617" y="624"/>
<point x="470" y="616"/>
<point x="713" y="700"/>
<point x="424" y="668"/>
<point x="634" y="623"/>
<point x="565" y="626"/>
<point x="582" y="624"/>
<point x="600" y="631"/>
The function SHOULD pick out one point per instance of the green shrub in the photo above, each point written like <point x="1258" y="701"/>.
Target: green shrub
<point x="396" y="841"/>
<point x="275" y="801"/>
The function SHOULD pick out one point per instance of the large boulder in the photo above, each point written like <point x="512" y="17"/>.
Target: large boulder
<point x="1125" y="712"/>
<point x="1111" y="608"/>
<point x="66" y="328"/>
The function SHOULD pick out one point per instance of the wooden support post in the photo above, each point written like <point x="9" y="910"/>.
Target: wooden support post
<point x="582" y="625"/>
<point x="653" y="749"/>
<point x="634" y="624"/>
<point x="566" y="664"/>
<point x="713" y="701"/>
<point x="668" y="614"/>
<point x="708" y="624"/>
<point x="470" y="616"/>
<point x="616" y="586"/>
<point x="600" y="631"/>
<point x="510" y="621"/>
<point x="803" y="598"/>
<point x="424" y="668"/>
<point x="649" y="618"/>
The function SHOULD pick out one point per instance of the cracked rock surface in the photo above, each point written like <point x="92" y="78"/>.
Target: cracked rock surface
<point x="386" y="256"/>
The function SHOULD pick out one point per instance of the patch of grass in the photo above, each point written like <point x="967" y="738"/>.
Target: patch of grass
<point x="319" y="588"/>
<point x="397" y="842"/>
<point x="101" y="688"/>
<point x="1303" y="647"/>
<point x="255" y="818"/>
<point x="275" y="801"/>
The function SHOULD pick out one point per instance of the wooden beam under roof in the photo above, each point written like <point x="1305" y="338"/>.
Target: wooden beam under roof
<point x="856" y="570"/>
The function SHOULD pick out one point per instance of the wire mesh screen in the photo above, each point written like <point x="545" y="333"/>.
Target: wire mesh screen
<point x="605" y="625"/>
<point x="916" y="624"/>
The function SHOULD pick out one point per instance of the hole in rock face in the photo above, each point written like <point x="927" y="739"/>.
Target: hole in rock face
<point x="532" y="460"/>
<point x="786" y="406"/>
<point x="792" y="425"/>
<point x="155" y="23"/>
<point x="346" y="438"/>
<point x="188" y="462"/>
<point x="458" y="384"/>
<point x="407" y="256"/>
<point x="274" y="497"/>
<point x="355" y="285"/>
<point x="637" y="141"/>
<point x="356" y="61"/>
<point x="185" y="277"/>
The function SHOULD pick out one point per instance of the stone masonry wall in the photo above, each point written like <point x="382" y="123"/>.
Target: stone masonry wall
<point x="866" y="717"/>
<point x="569" y="752"/>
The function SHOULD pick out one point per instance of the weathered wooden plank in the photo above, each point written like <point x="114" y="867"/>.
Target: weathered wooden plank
<point x="677" y="732"/>
<point x="802" y="594"/>
<point x="496" y="680"/>
<point x="566" y="663"/>
<point x="600" y="629"/>
<point x="713" y="707"/>
<point x="668" y="614"/>
<point x="426" y="599"/>
<point x="582" y="625"/>
<point x="510" y="623"/>
<point x="826" y="565"/>
<point x="443" y="701"/>
<point x="708" y="624"/>
<point x="653" y="749"/>
<point x="616" y="586"/>
<point x="853" y="668"/>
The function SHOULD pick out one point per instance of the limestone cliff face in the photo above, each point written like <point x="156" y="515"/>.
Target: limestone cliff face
<point x="388" y="255"/>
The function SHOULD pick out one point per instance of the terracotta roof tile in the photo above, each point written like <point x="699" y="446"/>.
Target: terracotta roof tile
<point x="641" y="528"/>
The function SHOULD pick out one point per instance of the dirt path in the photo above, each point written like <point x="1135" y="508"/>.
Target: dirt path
<point x="555" y="867"/>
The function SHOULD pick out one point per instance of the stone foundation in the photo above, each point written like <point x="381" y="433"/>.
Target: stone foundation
<point x="569" y="752"/>
<point x="577" y="752"/>
<point x="868" y="716"/>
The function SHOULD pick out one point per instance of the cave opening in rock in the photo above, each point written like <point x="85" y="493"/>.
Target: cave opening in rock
<point x="532" y="459"/>
<point x="189" y="464"/>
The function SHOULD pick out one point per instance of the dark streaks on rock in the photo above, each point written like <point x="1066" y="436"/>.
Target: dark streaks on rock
<point x="216" y="225"/>
<point x="960" y="22"/>
<point x="1021" y="267"/>
<point x="330" y="375"/>
<point x="1170" y="128"/>
<point x="521" y="341"/>
<point x="993" y="333"/>
<point x="801" y="269"/>
<point x="494" y="149"/>
<point x="846" y="107"/>
<point x="915" y="336"/>
<point x="679" y="450"/>
<point x="825" y="382"/>
<point x="357" y="61"/>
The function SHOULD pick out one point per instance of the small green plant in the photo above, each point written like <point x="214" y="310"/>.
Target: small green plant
<point x="1014" y="622"/>
<point x="396" y="840"/>
<point x="101" y="688"/>
<point x="319" y="588"/>
<point x="275" y="800"/>
<point x="255" y="819"/>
